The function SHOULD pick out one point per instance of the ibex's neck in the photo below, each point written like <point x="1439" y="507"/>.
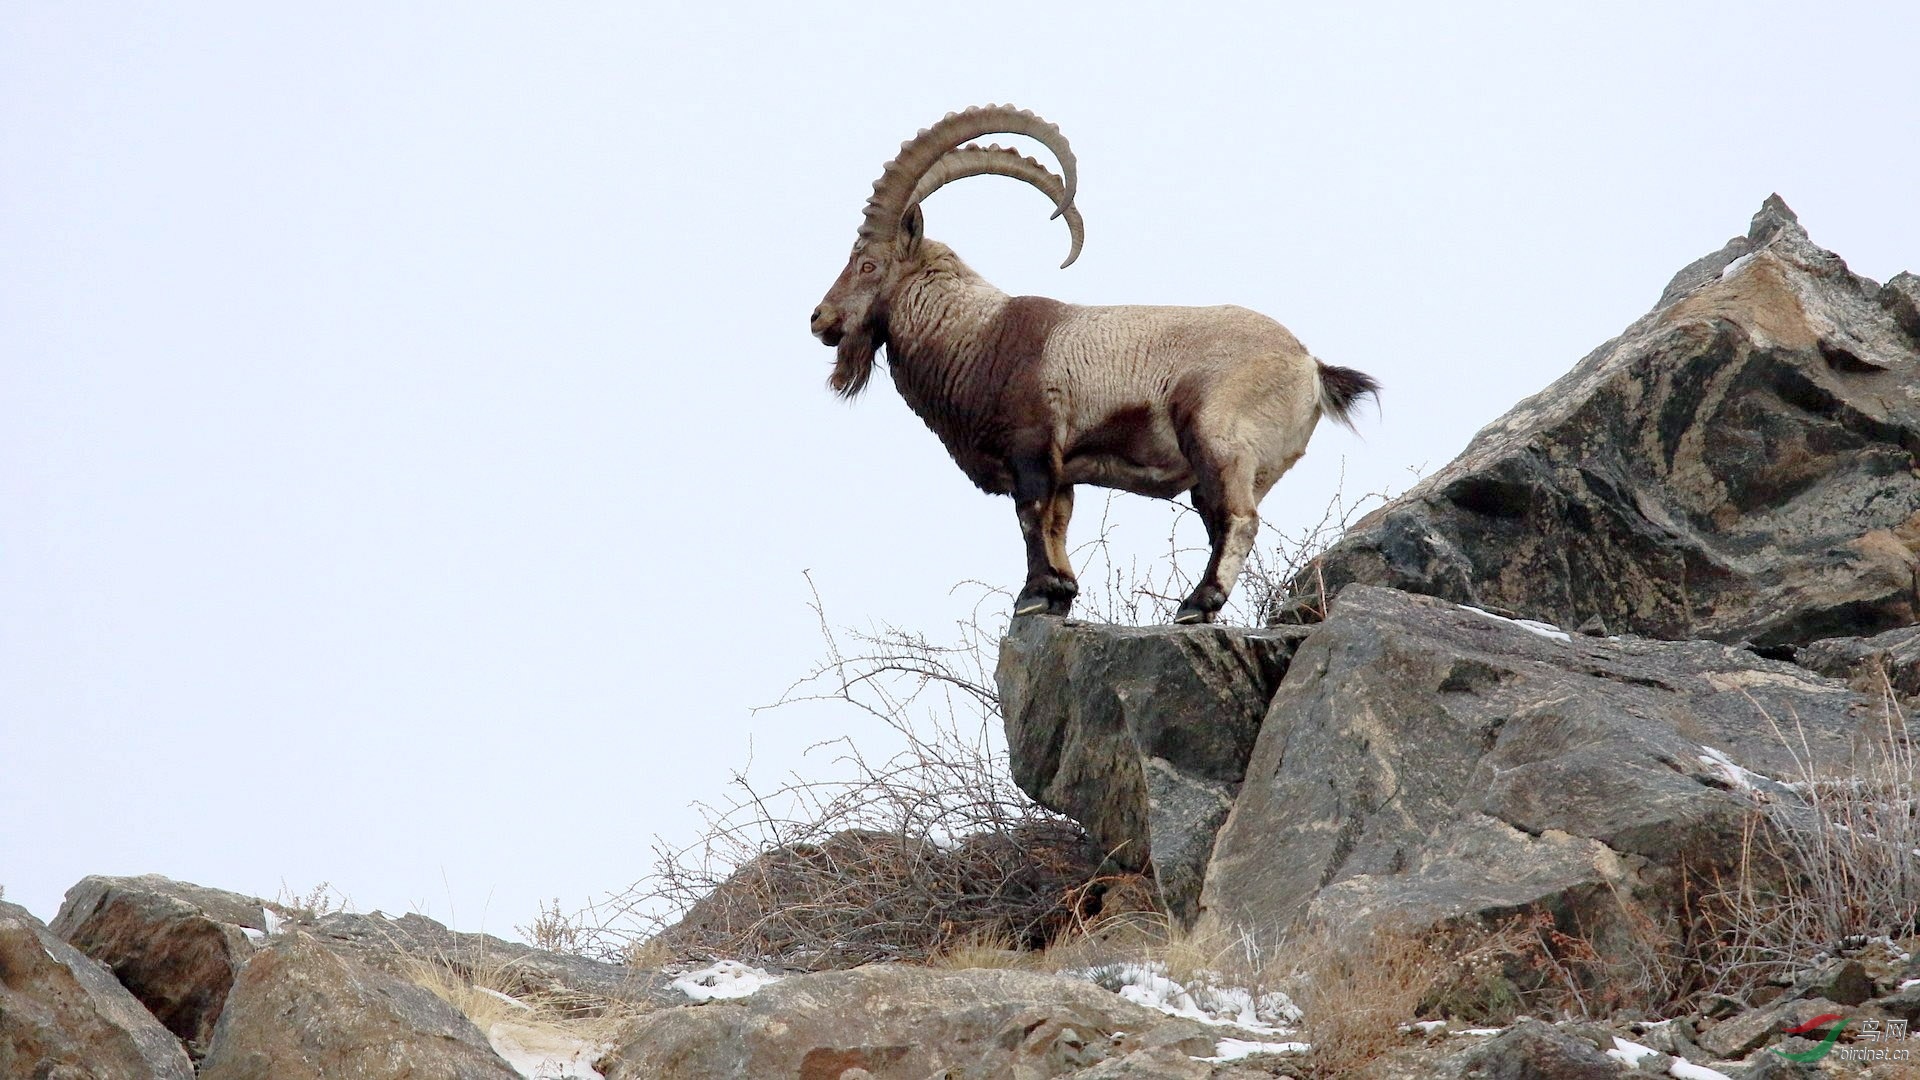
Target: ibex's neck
<point x="941" y="314"/>
<point x="954" y="345"/>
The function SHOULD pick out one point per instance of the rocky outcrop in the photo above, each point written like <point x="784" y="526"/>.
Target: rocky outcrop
<point x="575" y="983"/>
<point x="1872" y="665"/>
<point x="1739" y="465"/>
<point x="1140" y="734"/>
<point x="1423" y="761"/>
<point x="64" y="1017"/>
<point x="302" y="1012"/>
<point x="177" y="947"/>
<point x="902" y="1023"/>
<point x="1531" y="1050"/>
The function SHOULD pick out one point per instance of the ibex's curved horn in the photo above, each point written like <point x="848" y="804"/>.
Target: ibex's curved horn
<point x="1003" y="161"/>
<point x="893" y="191"/>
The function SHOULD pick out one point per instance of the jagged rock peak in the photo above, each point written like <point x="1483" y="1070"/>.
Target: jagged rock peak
<point x="1739" y="464"/>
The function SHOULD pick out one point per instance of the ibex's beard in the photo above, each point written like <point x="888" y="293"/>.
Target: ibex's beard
<point x="853" y="361"/>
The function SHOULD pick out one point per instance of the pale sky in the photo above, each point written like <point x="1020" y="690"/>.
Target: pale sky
<point x="411" y="445"/>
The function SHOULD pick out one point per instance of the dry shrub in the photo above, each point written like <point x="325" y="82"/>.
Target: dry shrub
<point x="860" y="896"/>
<point x="1828" y="861"/>
<point x="1825" y="862"/>
<point x="1607" y="954"/>
<point x="1357" y="993"/>
<point x="899" y="858"/>
<point x="1280" y="583"/>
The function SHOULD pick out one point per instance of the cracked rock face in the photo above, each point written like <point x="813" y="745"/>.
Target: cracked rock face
<point x="302" y="1012"/>
<point x="177" y="947"/>
<point x="62" y="1014"/>
<point x="1422" y="761"/>
<point x="1141" y="734"/>
<point x="1739" y="465"/>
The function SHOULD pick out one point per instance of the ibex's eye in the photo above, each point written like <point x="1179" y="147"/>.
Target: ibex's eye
<point x="866" y="268"/>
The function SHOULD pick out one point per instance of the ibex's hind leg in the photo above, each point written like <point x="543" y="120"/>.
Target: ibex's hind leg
<point x="1044" y="510"/>
<point x="1226" y="502"/>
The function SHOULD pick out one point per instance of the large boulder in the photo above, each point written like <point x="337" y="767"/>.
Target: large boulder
<point x="1739" y="465"/>
<point x="176" y="946"/>
<point x="900" y="1023"/>
<point x="1141" y="734"/>
<point x="63" y="1017"/>
<point x="300" y="1011"/>
<point x="1424" y="761"/>
<point x="1531" y="1050"/>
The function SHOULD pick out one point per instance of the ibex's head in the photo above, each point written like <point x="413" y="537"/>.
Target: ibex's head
<point x="853" y="316"/>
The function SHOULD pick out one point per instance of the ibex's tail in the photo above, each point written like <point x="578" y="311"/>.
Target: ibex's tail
<point x="1340" y="387"/>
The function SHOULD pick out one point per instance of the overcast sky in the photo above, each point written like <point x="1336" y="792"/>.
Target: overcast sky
<point x="411" y="445"/>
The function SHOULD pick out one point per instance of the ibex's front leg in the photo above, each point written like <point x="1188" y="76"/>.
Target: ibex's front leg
<point x="1044" y="507"/>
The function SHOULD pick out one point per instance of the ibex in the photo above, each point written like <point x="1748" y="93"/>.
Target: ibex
<point x="1032" y="396"/>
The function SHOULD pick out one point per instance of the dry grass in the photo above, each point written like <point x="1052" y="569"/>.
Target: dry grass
<point x="901" y="857"/>
<point x="490" y="993"/>
<point x="1828" y="862"/>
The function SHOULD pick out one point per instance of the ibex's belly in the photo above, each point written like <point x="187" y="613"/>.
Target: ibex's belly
<point x="1162" y="480"/>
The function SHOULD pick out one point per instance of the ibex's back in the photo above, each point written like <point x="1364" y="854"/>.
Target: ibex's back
<point x="1032" y="396"/>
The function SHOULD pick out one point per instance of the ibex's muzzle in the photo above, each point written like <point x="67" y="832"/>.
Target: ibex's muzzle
<point x="825" y="325"/>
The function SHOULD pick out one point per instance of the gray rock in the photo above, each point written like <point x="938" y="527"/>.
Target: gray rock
<point x="571" y="983"/>
<point x="898" y="1023"/>
<point x="1775" y="1067"/>
<point x="176" y="946"/>
<point x="1423" y="761"/>
<point x="63" y="1015"/>
<point x="300" y="1011"/>
<point x="1740" y="1035"/>
<point x="1843" y="982"/>
<point x="1531" y="1050"/>
<point x="1870" y="665"/>
<point x="1738" y="465"/>
<point x="1141" y="734"/>
<point x="1901" y="1005"/>
<point x="1160" y="1063"/>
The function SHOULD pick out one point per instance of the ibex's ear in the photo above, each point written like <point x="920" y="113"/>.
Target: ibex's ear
<point x="910" y="227"/>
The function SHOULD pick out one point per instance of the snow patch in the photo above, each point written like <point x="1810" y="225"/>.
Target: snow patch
<point x="273" y="921"/>
<point x="1477" y="1031"/>
<point x="540" y="1053"/>
<point x="1202" y="999"/>
<point x="1910" y="984"/>
<point x="1235" y="1049"/>
<point x="509" y="999"/>
<point x="1629" y="1053"/>
<point x="255" y="936"/>
<point x="1545" y="630"/>
<point x="1733" y="774"/>
<point x="1426" y="1027"/>
<point x="1736" y="266"/>
<point x="1687" y="1070"/>
<point x="724" y="980"/>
